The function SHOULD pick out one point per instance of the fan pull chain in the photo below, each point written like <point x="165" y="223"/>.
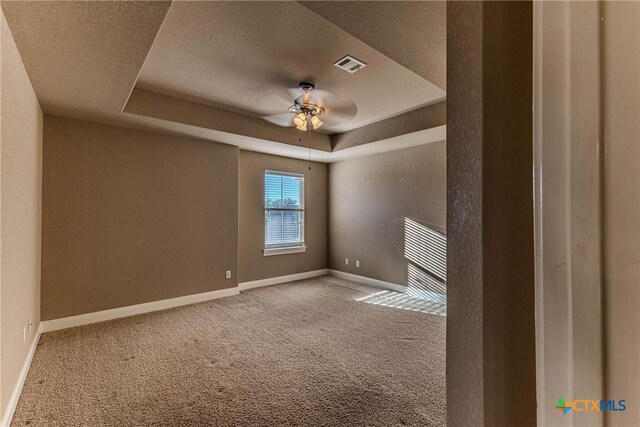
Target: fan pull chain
<point x="309" y="129"/>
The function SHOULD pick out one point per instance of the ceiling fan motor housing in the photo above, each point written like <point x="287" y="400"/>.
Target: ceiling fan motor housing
<point x="308" y="108"/>
<point x="306" y="87"/>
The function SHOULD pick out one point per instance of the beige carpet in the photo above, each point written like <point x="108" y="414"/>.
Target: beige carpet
<point x="300" y="354"/>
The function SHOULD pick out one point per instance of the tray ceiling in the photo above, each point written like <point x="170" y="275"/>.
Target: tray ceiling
<point x="242" y="55"/>
<point x="87" y="60"/>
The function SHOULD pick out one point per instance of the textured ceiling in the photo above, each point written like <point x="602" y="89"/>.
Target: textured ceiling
<point x="83" y="57"/>
<point x="412" y="33"/>
<point x="243" y="55"/>
<point x="84" y="60"/>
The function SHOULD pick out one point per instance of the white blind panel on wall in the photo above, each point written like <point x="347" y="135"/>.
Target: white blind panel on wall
<point x="284" y="209"/>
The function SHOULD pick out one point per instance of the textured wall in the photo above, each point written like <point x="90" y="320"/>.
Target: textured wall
<point x="370" y="198"/>
<point x="464" y="215"/>
<point x="132" y="217"/>
<point x="253" y="264"/>
<point x="20" y="212"/>
<point x="490" y="313"/>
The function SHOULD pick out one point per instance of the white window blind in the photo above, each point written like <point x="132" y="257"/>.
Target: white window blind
<point x="283" y="209"/>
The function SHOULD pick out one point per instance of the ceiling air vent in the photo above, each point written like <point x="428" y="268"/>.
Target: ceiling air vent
<point x="350" y="64"/>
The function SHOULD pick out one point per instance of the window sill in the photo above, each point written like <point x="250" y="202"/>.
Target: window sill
<point x="284" y="251"/>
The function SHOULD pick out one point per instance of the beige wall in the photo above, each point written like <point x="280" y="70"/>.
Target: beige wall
<point x="369" y="200"/>
<point x="490" y="287"/>
<point x="621" y="104"/>
<point x="253" y="264"/>
<point x="132" y="217"/>
<point x="20" y="212"/>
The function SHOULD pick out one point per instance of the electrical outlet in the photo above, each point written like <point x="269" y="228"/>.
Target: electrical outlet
<point x="357" y="263"/>
<point x="346" y="261"/>
<point x="228" y="274"/>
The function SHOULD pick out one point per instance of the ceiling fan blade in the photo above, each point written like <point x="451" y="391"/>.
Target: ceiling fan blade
<point x="346" y="111"/>
<point x="293" y="92"/>
<point x="274" y="106"/>
<point x="273" y="103"/>
<point x="342" y="108"/>
<point x="324" y="98"/>
<point x="321" y="95"/>
<point x="281" y="119"/>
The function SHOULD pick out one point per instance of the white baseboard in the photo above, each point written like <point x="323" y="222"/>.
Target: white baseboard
<point x="369" y="281"/>
<point x="132" y="310"/>
<point x="17" y="389"/>
<point x="282" y="279"/>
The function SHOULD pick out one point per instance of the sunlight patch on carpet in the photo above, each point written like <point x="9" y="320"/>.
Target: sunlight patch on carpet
<point x="405" y="302"/>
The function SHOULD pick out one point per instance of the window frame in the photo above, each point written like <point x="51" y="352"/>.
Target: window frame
<point x="284" y="248"/>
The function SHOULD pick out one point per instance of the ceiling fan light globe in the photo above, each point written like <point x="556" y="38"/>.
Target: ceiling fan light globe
<point x="316" y="122"/>
<point x="300" y="121"/>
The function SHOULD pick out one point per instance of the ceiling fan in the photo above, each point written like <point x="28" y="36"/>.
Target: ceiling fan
<point x="311" y="108"/>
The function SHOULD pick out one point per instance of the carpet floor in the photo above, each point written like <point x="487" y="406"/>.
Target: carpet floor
<point x="308" y="353"/>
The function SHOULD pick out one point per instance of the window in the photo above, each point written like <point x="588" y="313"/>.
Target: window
<point x="283" y="213"/>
